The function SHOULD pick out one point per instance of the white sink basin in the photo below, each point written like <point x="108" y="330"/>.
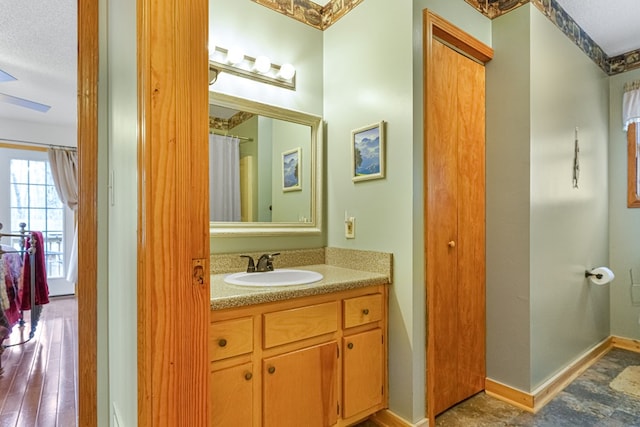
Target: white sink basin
<point x="281" y="277"/>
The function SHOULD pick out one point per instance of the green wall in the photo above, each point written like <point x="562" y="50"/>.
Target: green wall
<point x="508" y="171"/>
<point x="122" y="215"/>
<point x="542" y="234"/>
<point x="624" y="223"/>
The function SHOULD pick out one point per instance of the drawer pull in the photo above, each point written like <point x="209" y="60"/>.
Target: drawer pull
<point x="248" y="376"/>
<point x="365" y="311"/>
<point x="271" y="369"/>
<point x="350" y="345"/>
<point x="222" y="342"/>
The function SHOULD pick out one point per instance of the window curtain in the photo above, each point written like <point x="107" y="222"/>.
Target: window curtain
<point x="64" y="171"/>
<point x="631" y="104"/>
<point x="224" y="178"/>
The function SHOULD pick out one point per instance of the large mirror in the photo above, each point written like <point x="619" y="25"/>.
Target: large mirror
<point x="265" y="166"/>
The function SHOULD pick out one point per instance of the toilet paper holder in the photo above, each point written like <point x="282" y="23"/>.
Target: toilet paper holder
<point x="587" y="274"/>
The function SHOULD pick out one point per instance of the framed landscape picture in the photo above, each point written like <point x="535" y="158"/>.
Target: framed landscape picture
<point x="291" y="161"/>
<point x="367" y="152"/>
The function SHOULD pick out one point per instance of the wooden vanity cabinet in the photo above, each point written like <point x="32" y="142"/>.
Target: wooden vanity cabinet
<point x="315" y="361"/>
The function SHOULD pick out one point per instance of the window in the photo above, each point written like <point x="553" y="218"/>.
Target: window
<point x="34" y="201"/>
<point x="633" y="167"/>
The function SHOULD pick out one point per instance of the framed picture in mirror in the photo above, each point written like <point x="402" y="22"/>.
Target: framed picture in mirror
<point x="291" y="161"/>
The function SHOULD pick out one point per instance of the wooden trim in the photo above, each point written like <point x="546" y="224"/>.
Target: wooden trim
<point x="386" y="418"/>
<point x="21" y="147"/>
<point x="86" y="290"/>
<point x="448" y="33"/>
<point x="173" y="213"/>
<point x="533" y="402"/>
<point x="559" y="382"/>
<point x="633" y="198"/>
<point x="510" y="395"/>
<point x="626" y="344"/>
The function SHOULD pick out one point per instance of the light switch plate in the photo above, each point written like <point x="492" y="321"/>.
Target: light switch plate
<point x="350" y="228"/>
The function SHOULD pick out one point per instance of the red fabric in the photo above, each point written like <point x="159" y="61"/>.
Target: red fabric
<point x="41" y="285"/>
<point x="13" y="312"/>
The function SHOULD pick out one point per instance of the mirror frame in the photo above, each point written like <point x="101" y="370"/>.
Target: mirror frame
<point x="226" y="229"/>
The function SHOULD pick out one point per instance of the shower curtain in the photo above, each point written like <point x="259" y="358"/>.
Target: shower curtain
<point x="224" y="178"/>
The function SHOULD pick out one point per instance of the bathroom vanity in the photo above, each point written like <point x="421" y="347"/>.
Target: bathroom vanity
<point x="302" y="355"/>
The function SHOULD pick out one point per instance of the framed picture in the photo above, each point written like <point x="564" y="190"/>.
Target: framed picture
<point x="367" y="152"/>
<point x="291" y="174"/>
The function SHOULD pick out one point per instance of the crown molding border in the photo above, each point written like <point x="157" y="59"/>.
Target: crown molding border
<point x="322" y="17"/>
<point x="561" y="19"/>
<point x="310" y="13"/>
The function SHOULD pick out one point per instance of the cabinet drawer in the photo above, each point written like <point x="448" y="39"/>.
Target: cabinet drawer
<point x="230" y="338"/>
<point x="362" y="310"/>
<point x="282" y="327"/>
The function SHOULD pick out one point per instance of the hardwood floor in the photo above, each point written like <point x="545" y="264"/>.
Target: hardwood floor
<point x="38" y="386"/>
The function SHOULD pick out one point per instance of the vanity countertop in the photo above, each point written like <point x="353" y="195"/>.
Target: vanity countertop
<point x="334" y="279"/>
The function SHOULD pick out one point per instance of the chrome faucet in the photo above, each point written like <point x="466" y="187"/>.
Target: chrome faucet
<point x="265" y="262"/>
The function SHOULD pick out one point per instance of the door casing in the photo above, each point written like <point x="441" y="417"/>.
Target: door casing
<point x="436" y="28"/>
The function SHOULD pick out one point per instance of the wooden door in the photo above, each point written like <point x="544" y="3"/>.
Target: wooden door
<point x="454" y="224"/>
<point x="363" y="356"/>
<point x="232" y="398"/>
<point x="299" y="388"/>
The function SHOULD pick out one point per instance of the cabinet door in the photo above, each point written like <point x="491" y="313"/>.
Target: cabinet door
<point x="362" y="371"/>
<point x="232" y="396"/>
<point x="299" y="388"/>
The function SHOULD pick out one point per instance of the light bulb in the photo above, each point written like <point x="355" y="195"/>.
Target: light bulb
<point x="287" y="71"/>
<point x="262" y="64"/>
<point x="235" y="55"/>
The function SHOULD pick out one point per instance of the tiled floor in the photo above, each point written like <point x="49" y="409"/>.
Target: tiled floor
<point x="38" y="387"/>
<point x="588" y="401"/>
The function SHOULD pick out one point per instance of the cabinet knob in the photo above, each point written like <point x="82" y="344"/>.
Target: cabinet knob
<point x="452" y="244"/>
<point x="248" y="376"/>
<point x="271" y="369"/>
<point x="350" y="345"/>
<point x="222" y="342"/>
<point x="365" y="311"/>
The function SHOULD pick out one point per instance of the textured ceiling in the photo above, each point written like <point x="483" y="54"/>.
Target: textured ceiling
<point x="38" y="47"/>
<point x="613" y="24"/>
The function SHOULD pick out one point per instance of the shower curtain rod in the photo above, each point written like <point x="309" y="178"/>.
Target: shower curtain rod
<point x="42" y="144"/>
<point x="241" y="138"/>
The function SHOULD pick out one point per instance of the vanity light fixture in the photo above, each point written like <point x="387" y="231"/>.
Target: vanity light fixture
<point x="235" y="55"/>
<point x="234" y="61"/>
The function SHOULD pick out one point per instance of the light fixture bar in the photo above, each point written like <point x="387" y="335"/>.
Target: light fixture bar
<point x="245" y="68"/>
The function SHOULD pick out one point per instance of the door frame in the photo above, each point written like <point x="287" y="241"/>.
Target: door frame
<point x="87" y="212"/>
<point x="172" y="38"/>
<point x="435" y="27"/>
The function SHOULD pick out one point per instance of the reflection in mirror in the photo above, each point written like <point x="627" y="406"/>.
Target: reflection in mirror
<point x="264" y="168"/>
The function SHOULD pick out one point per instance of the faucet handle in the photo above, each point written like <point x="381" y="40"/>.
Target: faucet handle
<point x="265" y="262"/>
<point x="270" y="260"/>
<point x="251" y="268"/>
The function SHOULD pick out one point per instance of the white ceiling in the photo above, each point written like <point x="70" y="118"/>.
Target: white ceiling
<point x="38" y="46"/>
<point x="613" y="24"/>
